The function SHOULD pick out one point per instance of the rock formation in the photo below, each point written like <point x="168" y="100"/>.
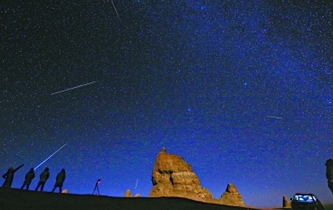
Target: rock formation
<point x="65" y="191"/>
<point x="173" y="177"/>
<point x="128" y="194"/>
<point x="231" y="196"/>
<point x="285" y="202"/>
<point x="329" y="174"/>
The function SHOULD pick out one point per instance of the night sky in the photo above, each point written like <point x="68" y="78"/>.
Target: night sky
<point x="242" y="90"/>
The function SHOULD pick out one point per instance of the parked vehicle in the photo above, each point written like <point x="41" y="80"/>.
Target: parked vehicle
<point x="306" y="201"/>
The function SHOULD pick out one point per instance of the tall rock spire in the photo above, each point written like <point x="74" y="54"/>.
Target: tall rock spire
<point x="173" y="177"/>
<point x="231" y="196"/>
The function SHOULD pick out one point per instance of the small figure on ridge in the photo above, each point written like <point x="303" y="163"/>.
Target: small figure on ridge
<point x="9" y="176"/>
<point x="60" y="180"/>
<point x="44" y="176"/>
<point x="28" y="178"/>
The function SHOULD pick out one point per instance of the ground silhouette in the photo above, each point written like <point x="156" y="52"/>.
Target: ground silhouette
<point x="15" y="199"/>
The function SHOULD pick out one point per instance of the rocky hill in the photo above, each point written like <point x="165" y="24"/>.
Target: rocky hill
<point x="173" y="177"/>
<point x="231" y="196"/>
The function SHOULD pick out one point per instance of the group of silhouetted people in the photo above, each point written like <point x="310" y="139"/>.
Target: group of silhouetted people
<point x="44" y="176"/>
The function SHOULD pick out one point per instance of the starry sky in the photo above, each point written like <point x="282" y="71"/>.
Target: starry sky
<point x="242" y="90"/>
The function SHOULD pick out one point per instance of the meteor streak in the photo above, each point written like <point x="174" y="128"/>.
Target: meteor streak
<point x="50" y="156"/>
<point x="274" y="117"/>
<point x="68" y="89"/>
<point x="114" y="6"/>
<point x="136" y="183"/>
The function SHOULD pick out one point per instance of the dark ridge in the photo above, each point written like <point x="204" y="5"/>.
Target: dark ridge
<point x="15" y="199"/>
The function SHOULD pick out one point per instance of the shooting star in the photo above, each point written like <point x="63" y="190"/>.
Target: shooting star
<point x="136" y="183"/>
<point x="50" y="156"/>
<point x="274" y="117"/>
<point x="68" y="89"/>
<point x="114" y="7"/>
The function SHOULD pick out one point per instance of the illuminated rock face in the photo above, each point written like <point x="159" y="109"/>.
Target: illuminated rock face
<point x="329" y="174"/>
<point x="173" y="177"/>
<point x="128" y="194"/>
<point x="231" y="196"/>
<point x="285" y="202"/>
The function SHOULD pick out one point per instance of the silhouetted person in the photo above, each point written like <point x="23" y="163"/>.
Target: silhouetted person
<point x="44" y="176"/>
<point x="60" y="180"/>
<point x="9" y="176"/>
<point x="329" y="173"/>
<point x="28" y="178"/>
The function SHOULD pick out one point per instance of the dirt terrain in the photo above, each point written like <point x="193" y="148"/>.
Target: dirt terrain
<point x="15" y="199"/>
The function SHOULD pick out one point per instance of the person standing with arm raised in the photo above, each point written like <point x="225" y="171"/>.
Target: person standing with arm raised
<point x="9" y="176"/>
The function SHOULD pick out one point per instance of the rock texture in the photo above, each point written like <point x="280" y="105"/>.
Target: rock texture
<point x="137" y="195"/>
<point x="65" y="191"/>
<point x="173" y="177"/>
<point x="128" y="194"/>
<point x="231" y="196"/>
<point x="329" y="174"/>
<point x="285" y="202"/>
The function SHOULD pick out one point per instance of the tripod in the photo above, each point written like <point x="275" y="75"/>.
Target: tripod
<point x="96" y="187"/>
